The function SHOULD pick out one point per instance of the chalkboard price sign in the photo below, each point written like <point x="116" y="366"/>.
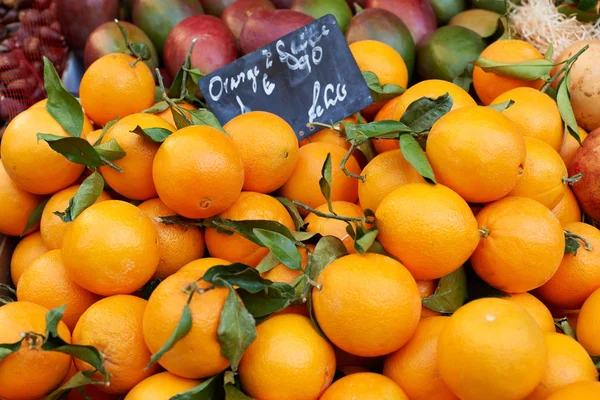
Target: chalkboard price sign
<point x="306" y="76"/>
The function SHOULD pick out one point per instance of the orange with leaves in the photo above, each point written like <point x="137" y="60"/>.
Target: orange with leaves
<point x="335" y="227"/>
<point x="167" y="114"/>
<point x="426" y="289"/>
<point x="29" y="248"/>
<point x="333" y="136"/>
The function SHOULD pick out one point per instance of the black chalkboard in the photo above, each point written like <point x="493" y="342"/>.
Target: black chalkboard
<point x="306" y="76"/>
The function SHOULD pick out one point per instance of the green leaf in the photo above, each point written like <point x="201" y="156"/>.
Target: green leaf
<point x="587" y="5"/>
<point x="63" y="107"/>
<point x="377" y="248"/>
<point x="183" y="327"/>
<point x="527" y="70"/>
<point x="35" y="217"/>
<point x="269" y="262"/>
<point x="502" y="106"/>
<point x="300" y="236"/>
<point x="565" y="327"/>
<point x="465" y="78"/>
<point x="364" y="240"/>
<point x="141" y="50"/>
<point x="205" y="117"/>
<point x="283" y="248"/>
<point x="421" y="114"/>
<point x="74" y="149"/>
<point x="450" y="294"/>
<point x="79" y="380"/>
<point x="385" y="129"/>
<point x="246" y="228"/>
<point x="180" y="121"/>
<point x="572" y="245"/>
<point x="563" y="100"/>
<point x="237" y="329"/>
<point x="108" y="125"/>
<point x="156" y="135"/>
<point x="53" y="317"/>
<point x="204" y="391"/>
<point x="477" y="288"/>
<point x="293" y="211"/>
<point x="195" y="74"/>
<point x="582" y="16"/>
<point x="550" y="51"/>
<point x="157" y="108"/>
<point x="498" y="32"/>
<point x="233" y="393"/>
<point x="87" y="194"/>
<point x="414" y="154"/>
<point x="146" y="291"/>
<point x="110" y="150"/>
<point x="275" y="297"/>
<point x="327" y="250"/>
<point x="6" y="349"/>
<point x="381" y="92"/>
<point x="325" y="181"/>
<point x="239" y="275"/>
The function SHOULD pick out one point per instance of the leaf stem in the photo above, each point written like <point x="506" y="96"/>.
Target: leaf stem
<point x="570" y="235"/>
<point x="323" y="125"/>
<point x="168" y="100"/>
<point x="186" y="66"/>
<point x="484" y="232"/>
<point x="331" y="216"/>
<point x="567" y="65"/>
<point x="314" y="284"/>
<point x="345" y="160"/>
<point x="138" y="58"/>
<point x="573" y="179"/>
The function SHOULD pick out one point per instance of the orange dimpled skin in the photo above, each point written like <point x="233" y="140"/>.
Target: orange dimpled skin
<point x="30" y="162"/>
<point x="579" y="391"/>
<point x="17" y="205"/>
<point x="29" y="248"/>
<point x="335" y="227"/>
<point x="288" y="360"/>
<point x="248" y="206"/>
<point x="198" y="172"/>
<point x="161" y="386"/>
<point x="111" y="87"/>
<point x="368" y="305"/>
<point x="588" y="324"/>
<point x="114" y="326"/>
<point x="477" y="152"/>
<point x="364" y="386"/>
<point x="428" y="250"/>
<point x="535" y="308"/>
<point x="567" y="210"/>
<point x="135" y="180"/>
<point x="111" y="248"/>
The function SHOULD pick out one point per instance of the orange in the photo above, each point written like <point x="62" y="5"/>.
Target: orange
<point x="567" y="152"/>
<point x="167" y="115"/>
<point x="426" y="289"/>
<point x="114" y="326"/>
<point x="30" y="162"/>
<point x="161" y="386"/>
<point x="414" y="366"/>
<point x="588" y="326"/>
<point x="477" y="152"/>
<point x="29" y="248"/>
<point x="178" y="245"/>
<point x="491" y="349"/>
<point x="567" y="210"/>
<point x="535" y="114"/>
<point x="18" y="205"/>
<point x="303" y="185"/>
<point x="383" y="174"/>
<point x="364" y="386"/>
<point x="488" y="85"/>
<point x="198" y="354"/>
<point x="535" y="308"/>
<point x="521" y="246"/>
<point x="30" y="373"/>
<point x="335" y="227"/>
<point x="544" y="175"/>
<point x="52" y="227"/>
<point x="203" y="264"/>
<point x="332" y="136"/>
<point x="198" y="172"/>
<point x="135" y="180"/>
<point x="269" y="149"/>
<point x="404" y="219"/>
<point x="282" y="273"/>
<point x="93" y="136"/>
<point x="46" y="283"/>
<point x="568" y="363"/>
<point x="248" y="206"/>
<point x="111" y="87"/>
<point x="288" y="360"/>
<point x="578" y="275"/>
<point x="367" y="305"/>
<point x="579" y="391"/>
<point x="111" y="248"/>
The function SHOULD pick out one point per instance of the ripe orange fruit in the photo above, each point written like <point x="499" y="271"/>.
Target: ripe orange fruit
<point x="93" y="136"/>
<point x="414" y="366"/>
<point x="178" y="245"/>
<point x="269" y="149"/>
<point x="198" y="172"/>
<point x="303" y="185"/>
<point x="477" y="152"/>
<point x="198" y="354"/>
<point x="567" y="210"/>
<point x="535" y="114"/>
<point x="47" y="283"/>
<point x="282" y="273"/>
<point x="535" y="308"/>
<point x="114" y="326"/>
<point x="568" y="363"/>
<point x="288" y="360"/>
<point x="30" y="373"/>
<point x="578" y="275"/>
<point x="111" y="87"/>
<point x="588" y="326"/>
<point x="513" y="255"/>
<point x="491" y="349"/>
<point x="111" y="248"/>
<point x="18" y="205"/>
<point x="369" y="290"/>
<point x="383" y="174"/>
<point x="407" y="233"/>
<point x="167" y="115"/>
<point x="135" y="180"/>
<point x="335" y="227"/>
<point x="30" y="162"/>
<point x="163" y="385"/>
<point x="426" y="289"/>
<point x="52" y="227"/>
<point x="567" y="152"/>
<point x="203" y="264"/>
<point x="248" y="206"/>
<point x="579" y="391"/>
<point x="331" y="135"/>
<point x="29" y="248"/>
<point x="544" y="175"/>
<point x="488" y="85"/>
<point x="365" y="386"/>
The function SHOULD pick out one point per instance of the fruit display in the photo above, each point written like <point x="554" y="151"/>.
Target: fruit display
<point x="442" y="242"/>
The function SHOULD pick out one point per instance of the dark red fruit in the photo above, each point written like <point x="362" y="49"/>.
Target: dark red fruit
<point x="418" y="15"/>
<point x="283" y="3"/>
<point x="587" y="161"/>
<point x="236" y="14"/>
<point x="216" y="7"/>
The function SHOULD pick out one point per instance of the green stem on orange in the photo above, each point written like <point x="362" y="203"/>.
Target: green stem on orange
<point x="484" y="232"/>
<point x="573" y="179"/>
<point x="168" y="100"/>
<point x="186" y="65"/>
<point x="330" y="216"/>
<point x="345" y="160"/>
<point x="586" y="245"/>
<point x="567" y="65"/>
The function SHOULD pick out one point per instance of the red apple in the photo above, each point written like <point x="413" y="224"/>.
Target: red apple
<point x="236" y="14"/>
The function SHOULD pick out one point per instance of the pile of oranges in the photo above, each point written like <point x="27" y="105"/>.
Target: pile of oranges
<point x="170" y="253"/>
